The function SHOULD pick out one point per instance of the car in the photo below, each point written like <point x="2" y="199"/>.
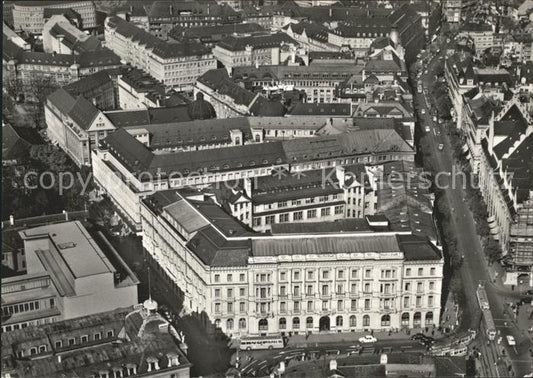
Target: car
<point x="368" y="339"/>
<point x="423" y="111"/>
<point x="434" y="118"/>
<point x="427" y="129"/>
<point x="441" y="146"/>
<point x="510" y="340"/>
<point x="417" y="336"/>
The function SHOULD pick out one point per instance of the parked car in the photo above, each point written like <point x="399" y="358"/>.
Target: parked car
<point x="368" y="339"/>
<point x="428" y="129"/>
<point x="510" y="340"/>
<point x="441" y="146"/>
<point x="423" y="111"/>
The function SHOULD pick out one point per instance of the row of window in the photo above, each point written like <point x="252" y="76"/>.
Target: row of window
<point x="326" y="274"/>
<point x="385" y="321"/>
<point x="25" y="307"/>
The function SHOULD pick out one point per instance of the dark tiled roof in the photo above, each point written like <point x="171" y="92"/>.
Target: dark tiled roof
<point x="322" y="109"/>
<point x="159" y="47"/>
<point x="88" y="83"/>
<point x="374" y="27"/>
<point x="194" y="133"/>
<point x="214" y="250"/>
<point x="149" y="116"/>
<point x="232" y="43"/>
<point x="214" y="33"/>
<point x="312" y="30"/>
<point x="219" y="81"/>
<point x="418" y="248"/>
<point x="207" y="8"/>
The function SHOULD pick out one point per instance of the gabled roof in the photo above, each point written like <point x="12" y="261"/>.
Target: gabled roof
<point x="218" y="80"/>
<point x="79" y="109"/>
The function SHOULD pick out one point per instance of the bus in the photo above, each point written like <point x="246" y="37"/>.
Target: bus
<point x="262" y="342"/>
<point x="489" y="324"/>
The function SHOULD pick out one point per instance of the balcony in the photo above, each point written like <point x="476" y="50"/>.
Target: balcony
<point x="354" y="294"/>
<point x="325" y="296"/>
<point x="283" y="296"/>
<point x="297" y="296"/>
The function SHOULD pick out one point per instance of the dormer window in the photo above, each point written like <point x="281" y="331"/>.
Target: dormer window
<point x="98" y="336"/>
<point x="153" y="364"/>
<point x="110" y="333"/>
<point x="33" y="351"/>
<point x="85" y="338"/>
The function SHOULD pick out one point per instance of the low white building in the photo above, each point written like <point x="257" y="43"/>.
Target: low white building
<point x="68" y="276"/>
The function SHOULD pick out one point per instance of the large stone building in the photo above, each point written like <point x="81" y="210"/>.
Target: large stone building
<point x="176" y="65"/>
<point x="130" y="341"/>
<point x="68" y="275"/>
<point x="256" y="284"/>
<point x="144" y="171"/>
<point x="29" y="15"/>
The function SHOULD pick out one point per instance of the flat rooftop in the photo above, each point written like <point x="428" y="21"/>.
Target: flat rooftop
<point x="75" y="246"/>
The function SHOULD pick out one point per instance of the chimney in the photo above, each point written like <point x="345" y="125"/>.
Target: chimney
<point x="171" y="9"/>
<point x="330" y="12"/>
<point x="333" y="365"/>
<point x="340" y="173"/>
<point x="58" y="358"/>
<point x="248" y="187"/>
<point x="12" y="220"/>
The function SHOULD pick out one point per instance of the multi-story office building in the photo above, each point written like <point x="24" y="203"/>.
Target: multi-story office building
<point x="164" y="15"/>
<point x="128" y="170"/>
<point x="68" y="275"/>
<point x="29" y="15"/>
<point x="176" y="65"/>
<point x="256" y="284"/>
<point x="75" y="124"/>
<point x="131" y="341"/>
<point x="255" y="50"/>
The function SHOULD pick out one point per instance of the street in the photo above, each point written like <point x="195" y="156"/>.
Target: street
<point x="474" y="269"/>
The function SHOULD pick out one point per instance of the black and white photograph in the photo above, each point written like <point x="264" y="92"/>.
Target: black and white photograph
<point x="267" y="188"/>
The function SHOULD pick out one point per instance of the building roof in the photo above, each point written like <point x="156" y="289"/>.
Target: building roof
<point x="233" y="43"/>
<point x="136" y="336"/>
<point x="163" y="49"/>
<point x="79" y="109"/>
<point x="313" y="31"/>
<point x="321" y="109"/>
<point x="169" y="9"/>
<point x="17" y="141"/>
<point x="88" y="83"/>
<point x="74" y="245"/>
<point x="214" y="33"/>
<point x="73" y="38"/>
<point x="99" y="58"/>
<point x="218" y="80"/>
<point x="364" y="27"/>
<point x="171" y="114"/>
<point x="194" y="133"/>
<point x="354" y="143"/>
<point x="138" y="157"/>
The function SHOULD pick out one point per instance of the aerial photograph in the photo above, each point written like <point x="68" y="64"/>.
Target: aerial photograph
<point x="267" y="188"/>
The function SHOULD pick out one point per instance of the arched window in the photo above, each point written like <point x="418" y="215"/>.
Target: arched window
<point x="385" y="320"/>
<point x="366" y="321"/>
<point x="242" y="323"/>
<point x="263" y="325"/>
<point x="405" y="319"/>
<point x="309" y="322"/>
<point x="339" y="321"/>
<point x="296" y="323"/>
<point x="282" y="323"/>
<point x="353" y="321"/>
<point x="229" y="324"/>
<point x="417" y="319"/>
<point x="217" y="323"/>
<point x="429" y="318"/>
<point x="257" y="138"/>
